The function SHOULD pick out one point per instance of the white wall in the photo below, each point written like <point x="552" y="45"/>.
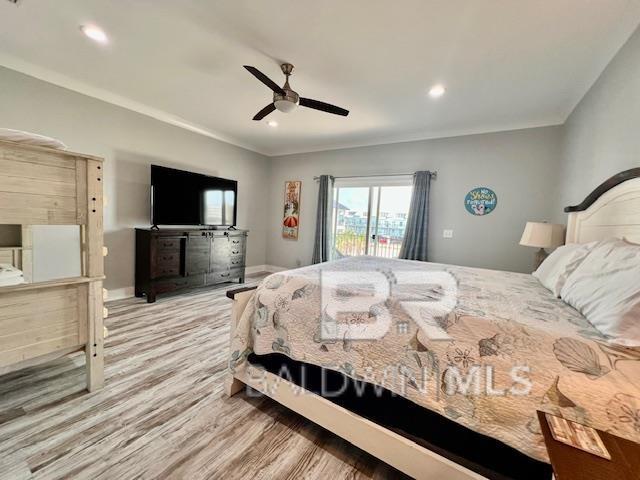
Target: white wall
<point x="520" y="166"/>
<point x="602" y="135"/>
<point x="535" y="172"/>
<point x="130" y="142"/>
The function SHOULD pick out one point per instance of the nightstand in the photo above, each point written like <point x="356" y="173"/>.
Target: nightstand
<point x="570" y="463"/>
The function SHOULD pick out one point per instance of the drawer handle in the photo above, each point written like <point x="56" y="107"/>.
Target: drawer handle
<point x="236" y="241"/>
<point x="225" y="274"/>
<point x="235" y="252"/>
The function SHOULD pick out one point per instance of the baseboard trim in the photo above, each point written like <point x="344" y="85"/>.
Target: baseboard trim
<point x="264" y="268"/>
<point x="128" y="292"/>
<point x="120" y="293"/>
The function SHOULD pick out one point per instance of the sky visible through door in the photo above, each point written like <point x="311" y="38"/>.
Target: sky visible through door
<point x="370" y="220"/>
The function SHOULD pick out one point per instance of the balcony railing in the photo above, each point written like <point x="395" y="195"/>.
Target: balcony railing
<point x="349" y="244"/>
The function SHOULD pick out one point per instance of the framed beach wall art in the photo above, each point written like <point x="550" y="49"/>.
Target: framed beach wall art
<point x="291" y="218"/>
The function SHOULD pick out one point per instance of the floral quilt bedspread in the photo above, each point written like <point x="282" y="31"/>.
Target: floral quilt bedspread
<point x="483" y="348"/>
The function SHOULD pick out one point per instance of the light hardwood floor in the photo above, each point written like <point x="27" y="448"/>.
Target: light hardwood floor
<point x="162" y="413"/>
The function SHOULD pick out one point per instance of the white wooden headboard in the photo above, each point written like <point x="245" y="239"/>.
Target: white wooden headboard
<point x="611" y="210"/>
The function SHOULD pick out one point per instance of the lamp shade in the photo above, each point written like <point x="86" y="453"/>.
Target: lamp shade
<point x="542" y="235"/>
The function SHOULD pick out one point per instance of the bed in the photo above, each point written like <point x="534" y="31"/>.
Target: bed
<point x="497" y="321"/>
<point x="40" y="321"/>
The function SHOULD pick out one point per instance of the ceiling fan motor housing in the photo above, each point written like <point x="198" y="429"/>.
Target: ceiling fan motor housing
<point x="287" y="102"/>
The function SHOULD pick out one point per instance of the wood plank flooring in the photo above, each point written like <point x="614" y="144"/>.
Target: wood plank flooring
<point x="162" y="413"/>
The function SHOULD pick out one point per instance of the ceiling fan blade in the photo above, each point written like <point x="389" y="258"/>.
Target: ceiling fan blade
<point x="265" y="111"/>
<point x="322" y="106"/>
<point x="264" y="79"/>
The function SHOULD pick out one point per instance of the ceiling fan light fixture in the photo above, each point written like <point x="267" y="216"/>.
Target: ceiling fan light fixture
<point x="437" y="91"/>
<point x="285" y="106"/>
<point x="95" y="33"/>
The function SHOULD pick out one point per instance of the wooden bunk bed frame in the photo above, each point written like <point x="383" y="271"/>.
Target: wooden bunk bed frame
<point x="45" y="320"/>
<point x="612" y="210"/>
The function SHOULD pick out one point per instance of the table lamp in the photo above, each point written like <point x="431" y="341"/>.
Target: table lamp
<point x="542" y="235"/>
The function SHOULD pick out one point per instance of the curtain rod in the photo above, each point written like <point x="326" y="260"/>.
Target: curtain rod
<point x="434" y="175"/>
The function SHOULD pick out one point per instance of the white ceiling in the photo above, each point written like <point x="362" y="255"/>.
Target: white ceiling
<point x="506" y="63"/>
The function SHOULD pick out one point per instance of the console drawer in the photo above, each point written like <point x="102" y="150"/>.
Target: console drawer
<point x="167" y="264"/>
<point x="225" y="275"/>
<point x="166" y="271"/>
<point x="236" y="272"/>
<point x="165" y="286"/>
<point x="236" y="241"/>
<point x="169" y="244"/>
<point x="166" y="258"/>
<point x="237" y="262"/>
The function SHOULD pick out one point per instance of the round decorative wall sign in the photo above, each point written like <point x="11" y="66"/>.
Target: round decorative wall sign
<point x="481" y="201"/>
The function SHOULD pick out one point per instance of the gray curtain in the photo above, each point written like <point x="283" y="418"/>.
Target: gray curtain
<point x="322" y="242"/>
<point x="414" y="244"/>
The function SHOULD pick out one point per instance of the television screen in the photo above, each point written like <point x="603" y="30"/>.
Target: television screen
<point x="185" y="198"/>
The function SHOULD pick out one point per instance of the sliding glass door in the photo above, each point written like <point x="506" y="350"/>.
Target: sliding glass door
<point x="351" y="221"/>
<point x="370" y="216"/>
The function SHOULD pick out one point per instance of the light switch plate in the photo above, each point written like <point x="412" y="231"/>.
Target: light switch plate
<point x="447" y="234"/>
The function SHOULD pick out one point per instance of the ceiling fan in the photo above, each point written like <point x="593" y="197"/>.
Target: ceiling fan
<point x="285" y="99"/>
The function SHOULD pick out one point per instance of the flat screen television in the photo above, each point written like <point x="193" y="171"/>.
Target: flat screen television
<point x="185" y="198"/>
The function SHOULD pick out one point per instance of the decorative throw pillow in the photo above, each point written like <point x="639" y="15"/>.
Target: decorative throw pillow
<point x="605" y="288"/>
<point x="557" y="267"/>
<point x="30" y="139"/>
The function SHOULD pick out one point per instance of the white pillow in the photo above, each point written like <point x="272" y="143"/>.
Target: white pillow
<point x="9" y="271"/>
<point x="605" y="288"/>
<point x="30" y="139"/>
<point x="557" y="267"/>
<point x="7" y="282"/>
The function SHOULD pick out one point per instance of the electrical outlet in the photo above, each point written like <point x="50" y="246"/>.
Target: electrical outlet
<point x="447" y="234"/>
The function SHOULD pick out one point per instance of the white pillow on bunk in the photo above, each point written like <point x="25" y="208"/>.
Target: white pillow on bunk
<point x="605" y="288"/>
<point x="9" y="271"/>
<point x="10" y="275"/>
<point x="557" y="267"/>
<point x="30" y="139"/>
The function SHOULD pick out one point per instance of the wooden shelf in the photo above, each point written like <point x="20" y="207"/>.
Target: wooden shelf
<point x="50" y="284"/>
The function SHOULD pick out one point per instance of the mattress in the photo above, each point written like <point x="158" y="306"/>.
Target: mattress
<point x="483" y="348"/>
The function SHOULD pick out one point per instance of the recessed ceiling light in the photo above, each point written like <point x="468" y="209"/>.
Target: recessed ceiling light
<point x="95" y="33"/>
<point x="272" y="123"/>
<point x="437" y="91"/>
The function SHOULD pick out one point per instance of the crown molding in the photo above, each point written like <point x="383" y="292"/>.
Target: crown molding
<point x="106" y="96"/>
<point x="83" y="88"/>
